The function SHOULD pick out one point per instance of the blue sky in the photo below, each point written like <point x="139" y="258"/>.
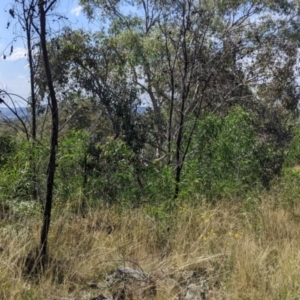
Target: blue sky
<point x="14" y="73"/>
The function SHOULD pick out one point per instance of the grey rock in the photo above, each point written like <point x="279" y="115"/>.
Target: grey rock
<point x="130" y="283"/>
<point x="193" y="292"/>
<point x="126" y="274"/>
<point x="193" y="286"/>
<point x="100" y="297"/>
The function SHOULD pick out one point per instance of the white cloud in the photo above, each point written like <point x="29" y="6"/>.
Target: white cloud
<point x="18" y="53"/>
<point x="76" y="10"/>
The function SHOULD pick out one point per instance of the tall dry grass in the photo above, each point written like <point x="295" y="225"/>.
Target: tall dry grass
<point x="245" y="250"/>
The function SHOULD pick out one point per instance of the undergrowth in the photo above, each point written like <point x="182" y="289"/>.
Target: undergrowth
<point x="247" y="249"/>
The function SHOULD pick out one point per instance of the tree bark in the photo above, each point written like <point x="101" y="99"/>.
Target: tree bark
<point x="28" y="17"/>
<point x="54" y="138"/>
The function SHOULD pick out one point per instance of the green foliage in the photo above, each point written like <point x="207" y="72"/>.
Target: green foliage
<point x="270" y="159"/>
<point x="102" y="171"/>
<point x="288" y="186"/>
<point x="16" y="174"/>
<point x="71" y="159"/>
<point x="187" y="59"/>
<point x="223" y="160"/>
<point x="117" y="173"/>
<point x="160" y="183"/>
<point x="7" y="148"/>
<point x="292" y="155"/>
<point x="181" y="57"/>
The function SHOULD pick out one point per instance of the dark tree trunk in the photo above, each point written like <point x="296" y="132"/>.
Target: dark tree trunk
<point x="54" y="137"/>
<point x="28" y="17"/>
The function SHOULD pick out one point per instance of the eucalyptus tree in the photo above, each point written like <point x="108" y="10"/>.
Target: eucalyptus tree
<point x="191" y="58"/>
<point x="96" y="95"/>
<point x="89" y="74"/>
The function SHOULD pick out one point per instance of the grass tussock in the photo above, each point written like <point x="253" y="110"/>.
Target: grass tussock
<point x="246" y="250"/>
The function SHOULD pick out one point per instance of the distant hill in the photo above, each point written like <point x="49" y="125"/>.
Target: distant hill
<point x="21" y="111"/>
<point x="24" y="112"/>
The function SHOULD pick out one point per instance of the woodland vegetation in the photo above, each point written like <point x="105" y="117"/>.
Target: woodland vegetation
<point x="167" y="139"/>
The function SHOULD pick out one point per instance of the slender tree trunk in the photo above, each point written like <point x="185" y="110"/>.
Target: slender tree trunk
<point x="170" y="129"/>
<point x="179" y="160"/>
<point x="28" y="20"/>
<point x="54" y="137"/>
<point x="184" y="97"/>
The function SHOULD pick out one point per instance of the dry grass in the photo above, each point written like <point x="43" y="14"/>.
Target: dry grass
<point x="249" y="250"/>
